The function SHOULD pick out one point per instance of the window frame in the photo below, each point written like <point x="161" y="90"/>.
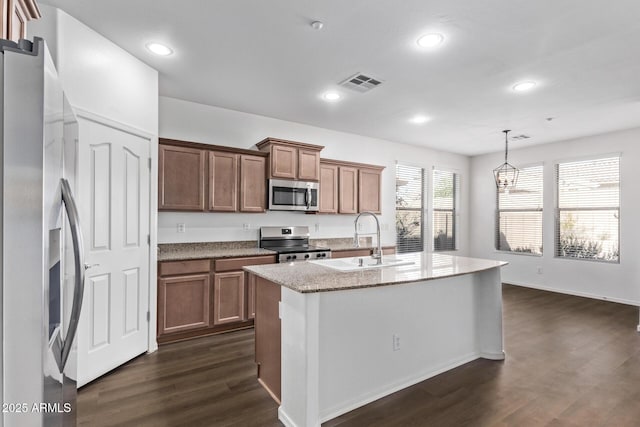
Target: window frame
<point x="424" y="210"/>
<point x="455" y="212"/>
<point x="496" y="236"/>
<point x="557" y="209"/>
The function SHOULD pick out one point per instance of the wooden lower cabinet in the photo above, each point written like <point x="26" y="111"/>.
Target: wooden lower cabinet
<point x="251" y="296"/>
<point x="205" y="296"/>
<point x="229" y="297"/>
<point x="183" y="303"/>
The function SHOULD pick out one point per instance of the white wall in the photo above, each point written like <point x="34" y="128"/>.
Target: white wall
<point x="97" y="75"/>
<point x="616" y="282"/>
<point x="212" y="125"/>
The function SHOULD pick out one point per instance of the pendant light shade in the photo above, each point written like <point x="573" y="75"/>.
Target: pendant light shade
<point x="506" y="175"/>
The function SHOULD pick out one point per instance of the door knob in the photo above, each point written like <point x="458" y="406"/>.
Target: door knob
<point x="88" y="266"/>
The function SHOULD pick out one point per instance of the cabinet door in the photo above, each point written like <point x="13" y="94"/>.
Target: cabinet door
<point x="251" y="295"/>
<point x="181" y="178"/>
<point x="369" y="190"/>
<point x="348" y="190"/>
<point x="284" y="161"/>
<point x="308" y="164"/>
<point x="14" y="20"/>
<point x="228" y="297"/>
<point x="223" y="181"/>
<point x="328" y="189"/>
<point x="183" y="303"/>
<point x="253" y="191"/>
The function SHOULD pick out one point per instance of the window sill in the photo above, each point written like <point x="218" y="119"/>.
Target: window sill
<point x="518" y="253"/>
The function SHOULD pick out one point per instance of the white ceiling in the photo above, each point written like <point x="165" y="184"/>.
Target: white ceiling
<point x="263" y="57"/>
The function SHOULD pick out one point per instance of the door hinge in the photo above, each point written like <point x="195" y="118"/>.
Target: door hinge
<point x="149" y="163"/>
<point x="148" y="239"/>
<point x="148" y="316"/>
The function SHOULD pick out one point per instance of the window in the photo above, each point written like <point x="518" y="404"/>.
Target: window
<point x="445" y="194"/>
<point x="519" y="219"/>
<point x="410" y="181"/>
<point x="588" y="214"/>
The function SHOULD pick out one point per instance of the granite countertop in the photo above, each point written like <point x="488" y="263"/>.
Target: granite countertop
<point x="185" y="251"/>
<point x="312" y="276"/>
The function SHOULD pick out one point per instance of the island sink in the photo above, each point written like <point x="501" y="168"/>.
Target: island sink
<point x="362" y="263"/>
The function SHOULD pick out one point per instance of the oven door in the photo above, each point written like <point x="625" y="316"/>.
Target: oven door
<point x="293" y="195"/>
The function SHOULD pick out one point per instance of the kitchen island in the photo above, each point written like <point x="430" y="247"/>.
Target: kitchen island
<point x="329" y="341"/>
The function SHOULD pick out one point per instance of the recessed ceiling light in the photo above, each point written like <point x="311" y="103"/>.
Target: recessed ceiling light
<point x="419" y="119"/>
<point x="331" y="96"/>
<point x="159" y="49"/>
<point x="430" y="40"/>
<point x="524" y="86"/>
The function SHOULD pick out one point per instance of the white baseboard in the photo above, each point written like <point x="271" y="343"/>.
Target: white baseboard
<point x="284" y="418"/>
<point x="575" y="293"/>
<point x="493" y="356"/>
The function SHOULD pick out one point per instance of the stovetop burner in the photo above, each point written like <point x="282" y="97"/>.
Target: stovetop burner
<point x="291" y="244"/>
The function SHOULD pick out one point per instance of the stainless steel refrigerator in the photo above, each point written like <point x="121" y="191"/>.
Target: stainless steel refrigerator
<point x="42" y="269"/>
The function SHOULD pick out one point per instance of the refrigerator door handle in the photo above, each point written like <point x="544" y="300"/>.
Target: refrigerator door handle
<point x="64" y="348"/>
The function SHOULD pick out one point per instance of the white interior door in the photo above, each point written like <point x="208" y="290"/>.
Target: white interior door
<point x="113" y="181"/>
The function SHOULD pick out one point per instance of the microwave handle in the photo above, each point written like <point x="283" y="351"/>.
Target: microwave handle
<point x="307" y="197"/>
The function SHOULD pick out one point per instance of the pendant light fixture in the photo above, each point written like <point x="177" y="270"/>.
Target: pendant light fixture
<point x="506" y="175"/>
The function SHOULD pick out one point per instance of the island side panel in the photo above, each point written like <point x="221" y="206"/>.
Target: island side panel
<point x="489" y="333"/>
<point x="268" y="336"/>
<point x="300" y="359"/>
<point x="434" y="322"/>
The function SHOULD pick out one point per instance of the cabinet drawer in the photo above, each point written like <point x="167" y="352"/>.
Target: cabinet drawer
<point x="171" y="268"/>
<point x="231" y="264"/>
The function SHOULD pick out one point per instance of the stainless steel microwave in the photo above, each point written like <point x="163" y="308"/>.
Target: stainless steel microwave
<point x="287" y="195"/>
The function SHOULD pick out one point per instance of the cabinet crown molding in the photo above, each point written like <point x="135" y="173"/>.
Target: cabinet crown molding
<point x="268" y="141"/>
<point x="324" y="161"/>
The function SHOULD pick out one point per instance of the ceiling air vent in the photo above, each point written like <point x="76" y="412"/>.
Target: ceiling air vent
<point x="520" y="137"/>
<point x="361" y="82"/>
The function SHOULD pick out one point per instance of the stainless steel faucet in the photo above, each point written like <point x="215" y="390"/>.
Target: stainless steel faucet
<point x="378" y="255"/>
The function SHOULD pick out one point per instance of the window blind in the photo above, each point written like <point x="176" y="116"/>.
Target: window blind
<point x="588" y="212"/>
<point x="410" y="184"/>
<point x="445" y="193"/>
<point x="519" y="218"/>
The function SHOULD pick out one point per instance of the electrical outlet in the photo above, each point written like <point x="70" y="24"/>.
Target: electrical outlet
<point x="246" y="226"/>
<point x="539" y="270"/>
<point x="181" y="227"/>
<point x="396" y="342"/>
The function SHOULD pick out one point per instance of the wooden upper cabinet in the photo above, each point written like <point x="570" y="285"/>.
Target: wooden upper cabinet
<point x="15" y="15"/>
<point x="253" y="190"/>
<point x="284" y="162"/>
<point x="348" y="190"/>
<point x="328" y="188"/>
<point x="308" y="165"/>
<point x="181" y="176"/>
<point x="223" y="181"/>
<point x="291" y="159"/>
<point x="369" y="190"/>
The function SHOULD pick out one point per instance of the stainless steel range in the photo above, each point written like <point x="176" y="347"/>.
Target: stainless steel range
<point x="291" y="244"/>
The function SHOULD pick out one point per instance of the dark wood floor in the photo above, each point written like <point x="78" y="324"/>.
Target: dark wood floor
<point x="570" y="362"/>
